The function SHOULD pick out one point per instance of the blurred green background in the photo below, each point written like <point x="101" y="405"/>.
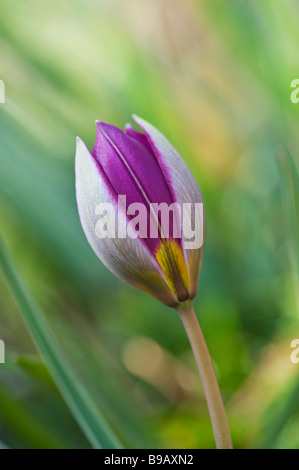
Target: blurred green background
<point x="214" y="76"/>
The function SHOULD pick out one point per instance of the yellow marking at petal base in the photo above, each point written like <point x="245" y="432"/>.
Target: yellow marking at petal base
<point x="171" y="259"/>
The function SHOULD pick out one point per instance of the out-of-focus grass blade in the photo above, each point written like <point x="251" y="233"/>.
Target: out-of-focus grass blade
<point x="76" y="397"/>
<point x="290" y="192"/>
<point x="285" y="406"/>
<point x="26" y="426"/>
<point x="37" y="394"/>
<point x="278" y="414"/>
<point x="36" y="368"/>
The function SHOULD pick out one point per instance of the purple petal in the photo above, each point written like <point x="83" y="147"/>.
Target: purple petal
<point x="139" y="136"/>
<point x="132" y="169"/>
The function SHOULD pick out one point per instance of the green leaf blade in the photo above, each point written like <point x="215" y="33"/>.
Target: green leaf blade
<point x="85" y="412"/>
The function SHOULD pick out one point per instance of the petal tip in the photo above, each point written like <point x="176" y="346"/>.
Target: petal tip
<point x="128" y="126"/>
<point x="79" y="142"/>
<point x="137" y="118"/>
<point x="81" y="148"/>
<point x="98" y="123"/>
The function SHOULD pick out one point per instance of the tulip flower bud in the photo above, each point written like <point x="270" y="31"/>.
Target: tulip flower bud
<point x="139" y="207"/>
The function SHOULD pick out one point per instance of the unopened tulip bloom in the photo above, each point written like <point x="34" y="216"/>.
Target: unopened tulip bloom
<point x="145" y="169"/>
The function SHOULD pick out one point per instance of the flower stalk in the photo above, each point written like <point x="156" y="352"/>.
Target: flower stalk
<point x="207" y="375"/>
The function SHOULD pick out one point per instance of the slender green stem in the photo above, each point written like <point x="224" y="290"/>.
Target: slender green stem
<point x="207" y="375"/>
